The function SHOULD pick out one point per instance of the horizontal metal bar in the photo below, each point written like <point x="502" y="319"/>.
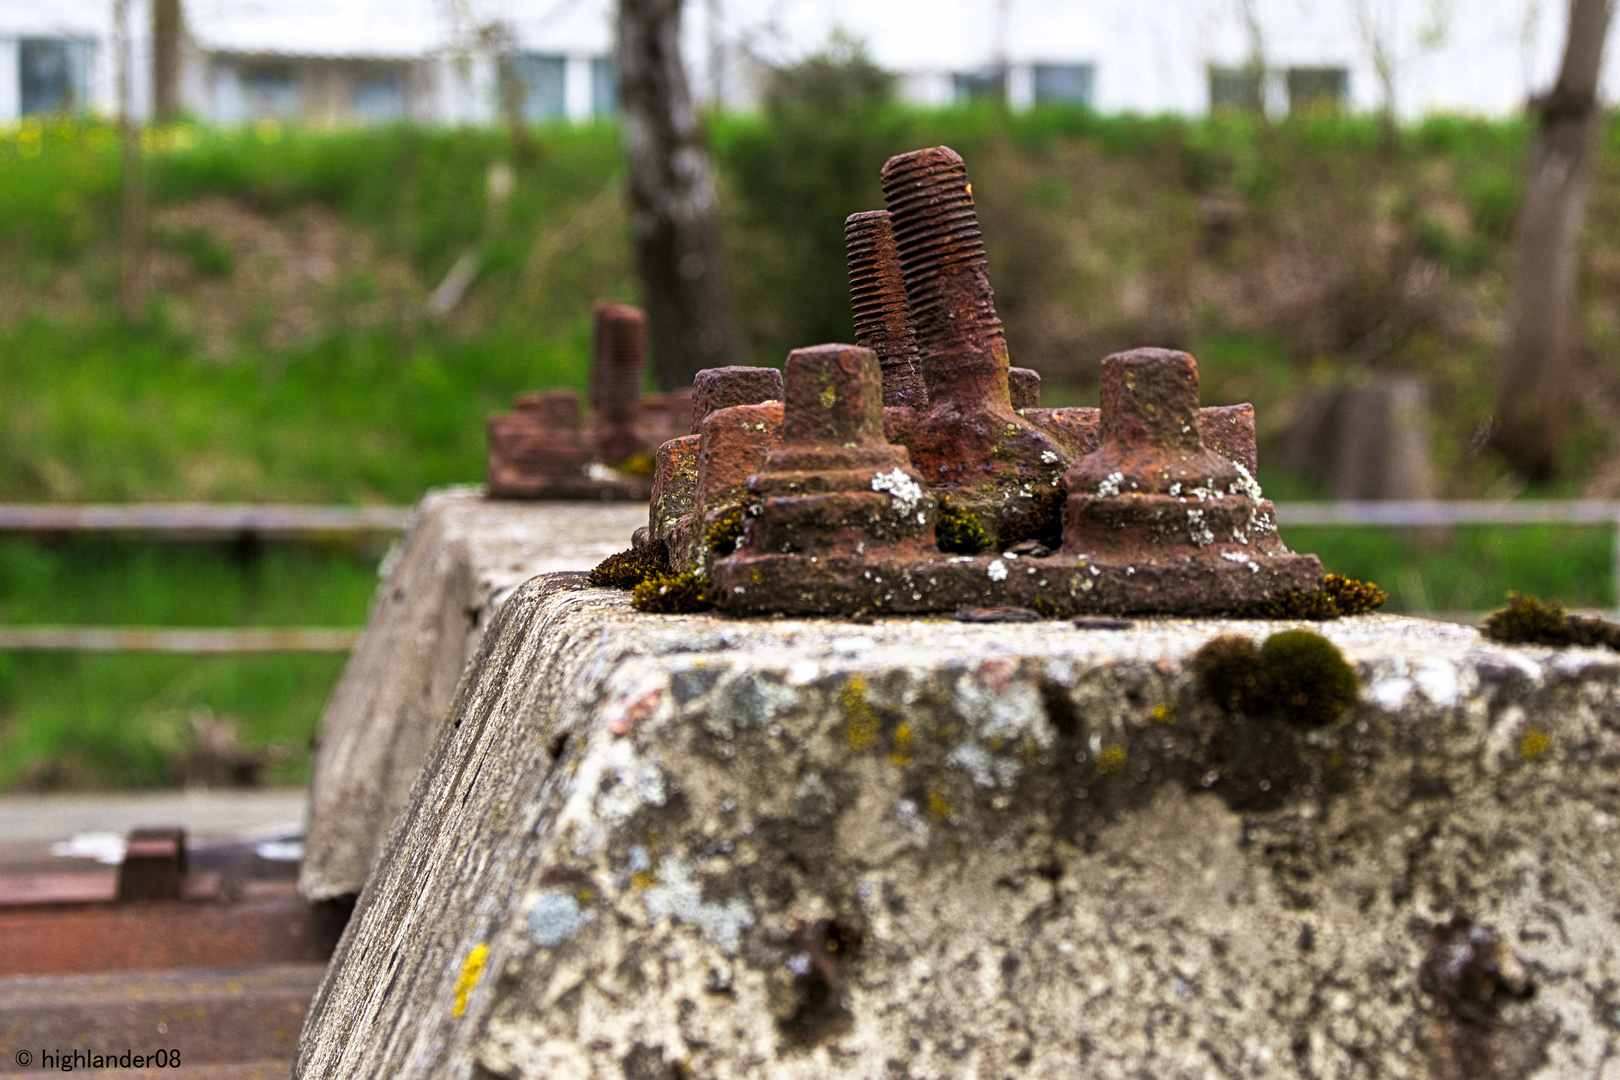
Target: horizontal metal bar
<point x="142" y="639"/>
<point x="1583" y="512"/>
<point x="206" y="519"/>
<point x="203" y="519"/>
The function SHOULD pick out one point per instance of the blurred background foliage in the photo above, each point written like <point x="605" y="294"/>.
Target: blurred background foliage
<point x="286" y="354"/>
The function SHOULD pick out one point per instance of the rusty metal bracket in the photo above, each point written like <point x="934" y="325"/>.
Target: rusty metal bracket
<point x="916" y="471"/>
<point x="548" y="448"/>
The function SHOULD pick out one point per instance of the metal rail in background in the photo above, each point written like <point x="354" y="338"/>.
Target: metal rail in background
<point x="203" y="520"/>
<point x="127" y="639"/>
<point x="207" y="520"/>
<point x="1440" y="512"/>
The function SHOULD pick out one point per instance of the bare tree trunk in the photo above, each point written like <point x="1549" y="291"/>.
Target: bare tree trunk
<point x="1534" y="398"/>
<point x="673" y="206"/>
<point x="165" y="60"/>
<point x="132" y="197"/>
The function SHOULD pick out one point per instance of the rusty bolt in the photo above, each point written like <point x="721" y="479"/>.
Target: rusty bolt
<point x="877" y="292"/>
<point x="1024" y="386"/>
<point x="947" y="279"/>
<point x="618" y="361"/>
<point x="723" y="387"/>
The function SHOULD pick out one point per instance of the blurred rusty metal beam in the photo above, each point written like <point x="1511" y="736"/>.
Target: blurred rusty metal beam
<point x="203" y="520"/>
<point x="206" y="519"/>
<point x="144" y="639"/>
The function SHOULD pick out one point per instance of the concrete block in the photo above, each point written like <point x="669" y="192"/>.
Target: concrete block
<point x="688" y="846"/>
<point x="461" y="557"/>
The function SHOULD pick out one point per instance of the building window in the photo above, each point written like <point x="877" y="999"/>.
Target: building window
<point x="1237" y="89"/>
<point x="54" y="74"/>
<point x="604" y="86"/>
<point x="1065" y="82"/>
<point x="544" y="80"/>
<point x="986" y="84"/>
<point x="1317" y="89"/>
<point x="269" y="91"/>
<point x="378" y="97"/>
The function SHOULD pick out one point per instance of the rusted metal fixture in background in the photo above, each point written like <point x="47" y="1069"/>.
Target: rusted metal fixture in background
<point x="546" y="448"/>
<point x="958" y="491"/>
<point x="154" y="865"/>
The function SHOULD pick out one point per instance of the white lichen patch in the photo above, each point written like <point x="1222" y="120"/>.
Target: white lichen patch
<point x="614" y="780"/>
<point x="986" y="769"/>
<point x="997" y="570"/>
<point x="1197" y="531"/>
<point x="1245" y="484"/>
<point x="678" y="895"/>
<point x="1110" y="484"/>
<point x="905" y="491"/>
<point x="555" y="916"/>
<point x="1049" y="458"/>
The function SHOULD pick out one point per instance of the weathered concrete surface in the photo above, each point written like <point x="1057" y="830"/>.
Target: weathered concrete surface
<point x="685" y="846"/>
<point x="461" y="557"/>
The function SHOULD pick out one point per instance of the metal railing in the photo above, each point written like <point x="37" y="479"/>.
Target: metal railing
<point x="205" y="521"/>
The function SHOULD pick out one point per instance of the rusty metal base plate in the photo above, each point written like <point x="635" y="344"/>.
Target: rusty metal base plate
<point x="750" y="584"/>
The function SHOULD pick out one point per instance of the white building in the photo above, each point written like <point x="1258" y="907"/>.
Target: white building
<point x="356" y="61"/>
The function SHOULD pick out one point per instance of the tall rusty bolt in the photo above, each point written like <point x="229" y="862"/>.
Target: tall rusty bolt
<point x="969" y="441"/>
<point x="877" y="292"/>
<point x="618" y="363"/>
<point x="947" y="279"/>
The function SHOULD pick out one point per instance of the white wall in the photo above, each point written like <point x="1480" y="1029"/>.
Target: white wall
<point x="1153" y="55"/>
<point x="1150" y="55"/>
<point x="10" y="83"/>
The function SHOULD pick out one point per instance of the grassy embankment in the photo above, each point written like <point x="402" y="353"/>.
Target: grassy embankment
<point x="285" y="355"/>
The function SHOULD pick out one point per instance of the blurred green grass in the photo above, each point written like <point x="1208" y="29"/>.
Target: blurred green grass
<point x="82" y="720"/>
<point x="99" y="721"/>
<point x="1098" y="229"/>
<point x="1469" y="569"/>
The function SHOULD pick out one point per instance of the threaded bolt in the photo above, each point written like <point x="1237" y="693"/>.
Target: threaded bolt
<point x="947" y="280"/>
<point x="618" y="359"/>
<point x="877" y="292"/>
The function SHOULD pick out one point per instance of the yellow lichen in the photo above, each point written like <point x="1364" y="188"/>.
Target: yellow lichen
<point x="1534" y="744"/>
<point x="643" y="879"/>
<point x="901" y="755"/>
<point x="1111" y="759"/>
<point x="1163" y="713"/>
<point x="471" y="969"/>
<point x="938" y="808"/>
<point x="861" y="721"/>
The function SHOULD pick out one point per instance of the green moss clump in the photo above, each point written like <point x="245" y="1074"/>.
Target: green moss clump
<point x="1340" y="596"/>
<point x="1528" y="621"/>
<point x="637" y="465"/>
<point x="1292" y="604"/>
<point x="673" y="594"/>
<point x="1232" y="671"/>
<point x="726" y="535"/>
<point x="1298" y="676"/>
<point x="1353" y="597"/>
<point x="957" y="531"/>
<point x="1311" y="681"/>
<point x="627" y="569"/>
